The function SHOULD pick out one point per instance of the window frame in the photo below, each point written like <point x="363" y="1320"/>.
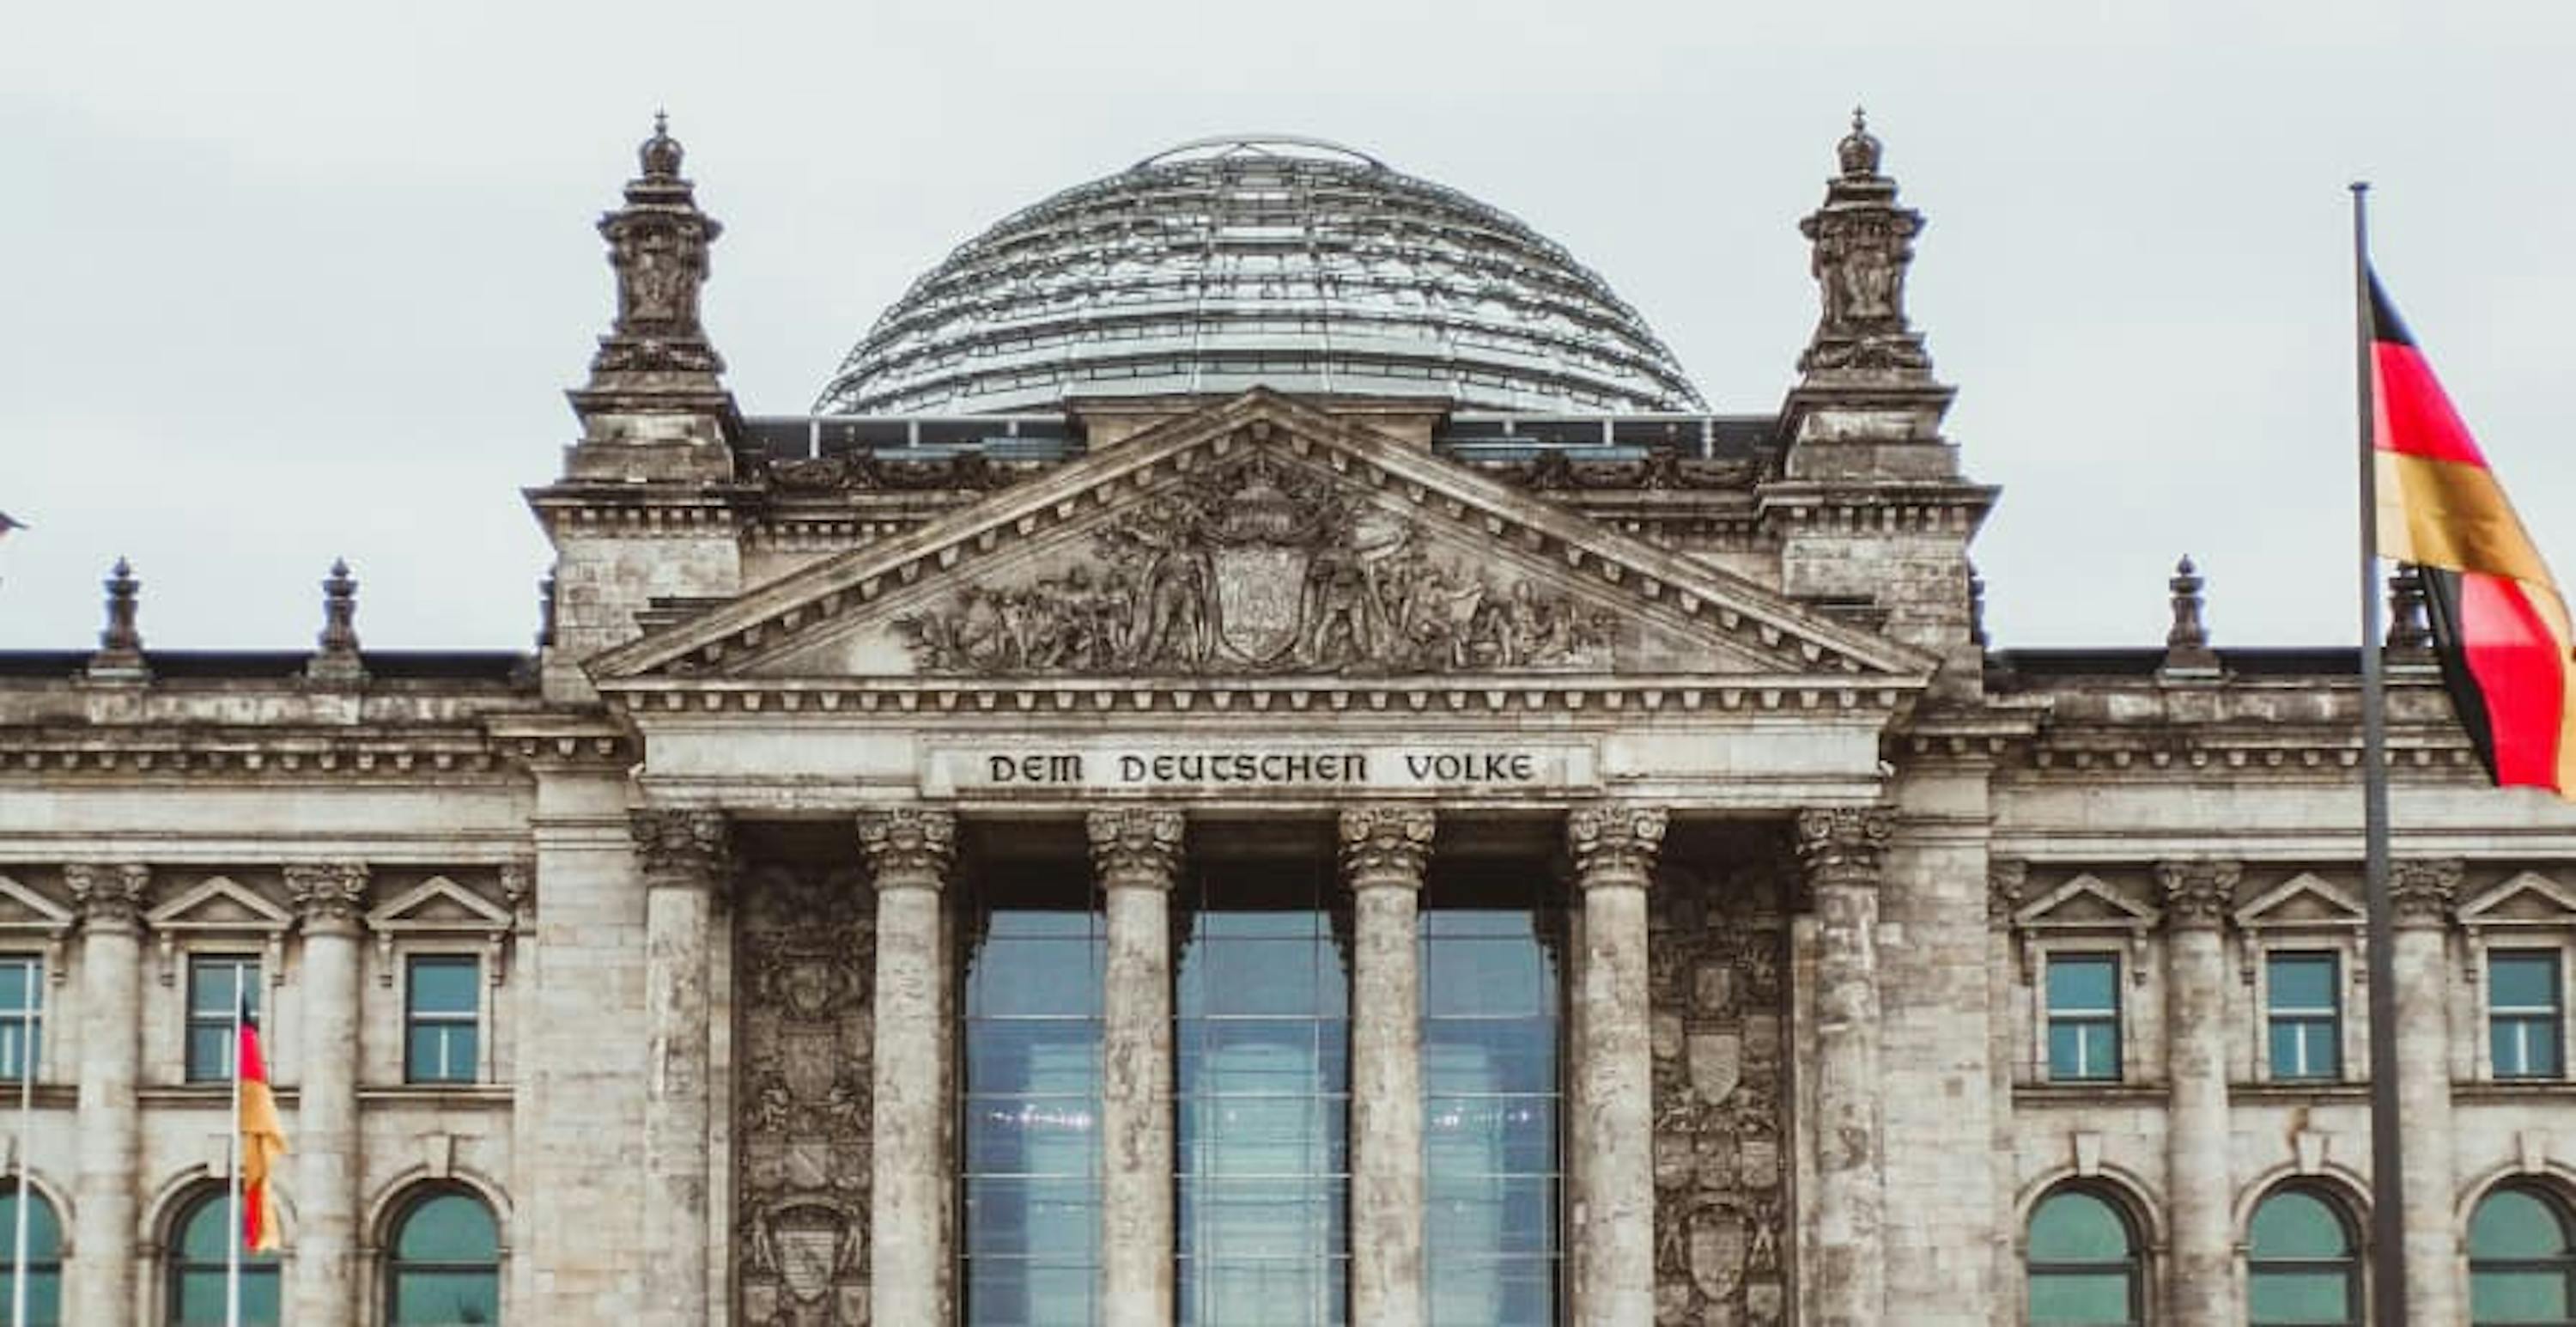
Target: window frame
<point x="2138" y="1266"/>
<point x="40" y="975"/>
<point x="2489" y="1014"/>
<point x="2355" y="1262"/>
<point x="399" y="1212"/>
<point x="44" y="1266"/>
<point x="190" y="1019"/>
<point x="190" y="1206"/>
<point x="476" y="1021"/>
<point x="2335" y="1015"/>
<point x="2116" y="1018"/>
<point x="2548" y="1195"/>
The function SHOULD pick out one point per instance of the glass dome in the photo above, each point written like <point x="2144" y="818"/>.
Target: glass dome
<point x="1288" y="262"/>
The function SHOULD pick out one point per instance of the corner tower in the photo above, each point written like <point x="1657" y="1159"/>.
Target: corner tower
<point x="643" y="508"/>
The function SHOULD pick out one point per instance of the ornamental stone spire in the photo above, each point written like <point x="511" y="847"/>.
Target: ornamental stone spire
<point x="120" y="642"/>
<point x="656" y="378"/>
<point x="1865" y="375"/>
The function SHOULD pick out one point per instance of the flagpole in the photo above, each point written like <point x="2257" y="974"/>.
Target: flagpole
<point x="26" y="1121"/>
<point x="232" y="1166"/>
<point x="2387" y="1160"/>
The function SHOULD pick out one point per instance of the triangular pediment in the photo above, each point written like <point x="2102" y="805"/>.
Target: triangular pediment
<point x="1262" y="538"/>
<point x="218" y="903"/>
<point x="2529" y="897"/>
<point x="439" y="904"/>
<point x="2304" y="899"/>
<point x="2085" y="902"/>
<point x="23" y="909"/>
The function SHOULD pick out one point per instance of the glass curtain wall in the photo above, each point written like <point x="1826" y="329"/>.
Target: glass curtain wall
<point x="1491" y="1002"/>
<point x="1036" y="959"/>
<point x="1262" y="1099"/>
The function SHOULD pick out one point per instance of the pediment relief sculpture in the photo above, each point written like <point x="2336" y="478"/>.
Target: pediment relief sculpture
<point x="1256" y="567"/>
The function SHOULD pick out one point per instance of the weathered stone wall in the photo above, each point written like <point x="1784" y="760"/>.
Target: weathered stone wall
<point x="804" y="958"/>
<point x="1717" y="956"/>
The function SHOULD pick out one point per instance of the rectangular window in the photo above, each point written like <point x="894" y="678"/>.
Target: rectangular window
<point x="213" y="980"/>
<point x="442" y="998"/>
<point x="1035" y="968"/>
<point x="22" y="1015"/>
<point x="2083" y="1018"/>
<point x="2523" y="1013"/>
<point x="2305" y="1015"/>
<point x="1491" y="1101"/>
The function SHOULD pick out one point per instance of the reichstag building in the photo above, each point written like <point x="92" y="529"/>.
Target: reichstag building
<point x="1259" y="757"/>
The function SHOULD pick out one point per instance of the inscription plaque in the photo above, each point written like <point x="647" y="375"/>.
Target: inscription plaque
<point x="1041" y="768"/>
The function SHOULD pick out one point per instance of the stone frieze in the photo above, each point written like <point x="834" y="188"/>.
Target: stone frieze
<point x="1258" y="567"/>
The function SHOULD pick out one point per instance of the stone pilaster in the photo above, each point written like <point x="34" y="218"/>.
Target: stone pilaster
<point x="1384" y="852"/>
<point x="2423" y="894"/>
<point x="685" y="861"/>
<point x="331" y="897"/>
<point x="1839" y="849"/>
<point x="910" y="852"/>
<point x="2200" y="1280"/>
<point x="1613" y="847"/>
<point x="1136" y="852"/>
<point x="102" y="1276"/>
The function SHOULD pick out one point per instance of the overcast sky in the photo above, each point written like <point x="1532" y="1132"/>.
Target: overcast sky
<point x="291" y="281"/>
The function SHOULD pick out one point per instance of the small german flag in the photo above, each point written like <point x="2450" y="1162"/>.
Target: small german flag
<point x="263" y="1141"/>
<point x="2498" y="621"/>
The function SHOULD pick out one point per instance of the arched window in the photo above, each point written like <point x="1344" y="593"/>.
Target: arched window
<point x="2083" y="1263"/>
<point x="2300" y="1262"/>
<point x="44" y="1257"/>
<point x="2521" y="1269"/>
<point x="198" y="1245"/>
<point x="446" y="1263"/>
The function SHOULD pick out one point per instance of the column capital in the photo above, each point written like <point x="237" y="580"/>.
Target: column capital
<point x="2198" y="895"/>
<point x="1136" y="847"/>
<point x="681" y="847"/>
<point x="1614" y="843"/>
<point x="1386" y="846"/>
<point x="2423" y="890"/>
<point x="1840" y="845"/>
<point x="908" y="847"/>
<point x="108" y="897"/>
<point x="329" y="894"/>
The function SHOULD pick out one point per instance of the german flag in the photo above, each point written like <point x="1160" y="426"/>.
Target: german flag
<point x="263" y="1141"/>
<point x="2498" y="621"/>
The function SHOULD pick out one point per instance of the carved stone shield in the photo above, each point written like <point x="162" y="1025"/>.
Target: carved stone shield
<point x="1258" y="590"/>
<point x="1717" y="1242"/>
<point x="809" y="1251"/>
<point x="1716" y="1064"/>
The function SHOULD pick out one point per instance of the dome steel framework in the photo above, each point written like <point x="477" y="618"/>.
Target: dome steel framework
<point x="1285" y="261"/>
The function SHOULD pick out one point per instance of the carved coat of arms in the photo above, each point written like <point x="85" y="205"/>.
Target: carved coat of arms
<point x="1260" y="567"/>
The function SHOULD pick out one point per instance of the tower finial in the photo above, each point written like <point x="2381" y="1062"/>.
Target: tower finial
<point x="120" y="645"/>
<point x="1860" y="150"/>
<point x="2187" y="641"/>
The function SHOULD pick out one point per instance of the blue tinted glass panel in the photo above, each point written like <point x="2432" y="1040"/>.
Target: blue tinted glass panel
<point x="2500" y="1297"/>
<point x="2516" y="1224"/>
<point x="2080" y="1299"/>
<point x="2302" y="982"/>
<point x="2083" y="983"/>
<point x="448" y="1228"/>
<point x="2077" y="1227"/>
<point x="2522" y="981"/>
<point x="1030" y="1114"/>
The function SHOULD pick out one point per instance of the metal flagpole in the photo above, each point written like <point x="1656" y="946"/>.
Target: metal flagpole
<point x="2387" y="1178"/>
<point x="26" y="1119"/>
<point x="232" y="1167"/>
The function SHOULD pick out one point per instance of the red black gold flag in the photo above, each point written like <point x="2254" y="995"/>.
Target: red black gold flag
<point x="2498" y="621"/>
<point x="263" y="1142"/>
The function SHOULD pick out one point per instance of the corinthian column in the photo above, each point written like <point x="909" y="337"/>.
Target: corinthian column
<point x="2200" y="1286"/>
<point x="326" y="1111"/>
<point x="1136" y="851"/>
<point x="1384" y="850"/>
<point x="2422" y="893"/>
<point x="910" y="851"/>
<point x="102" y="1275"/>
<point x="1613" y="846"/>
<point x="684" y="856"/>
<point x="1839" y="848"/>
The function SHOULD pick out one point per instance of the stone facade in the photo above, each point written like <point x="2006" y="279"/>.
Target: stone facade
<point x="1804" y="845"/>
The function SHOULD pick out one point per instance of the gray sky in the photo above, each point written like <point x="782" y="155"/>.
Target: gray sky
<point x="299" y="280"/>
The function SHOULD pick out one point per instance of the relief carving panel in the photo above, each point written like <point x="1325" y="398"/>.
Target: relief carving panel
<point x="1716" y="957"/>
<point x="804" y="951"/>
<point x="1258" y="566"/>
